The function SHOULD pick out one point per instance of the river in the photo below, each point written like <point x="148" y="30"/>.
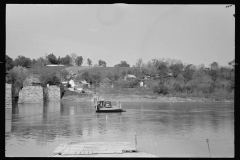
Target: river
<point x="177" y="129"/>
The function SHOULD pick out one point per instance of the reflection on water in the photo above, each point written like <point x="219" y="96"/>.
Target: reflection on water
<point x="163" y="129"/>
<point x="8" y="121"/>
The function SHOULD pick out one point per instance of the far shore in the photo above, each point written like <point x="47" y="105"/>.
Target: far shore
<point x="136" y="98"/>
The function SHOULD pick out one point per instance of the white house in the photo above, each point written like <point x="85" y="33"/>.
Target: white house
<point x="141" y="83"/>
<point x="71" y="82"/>
<point x="129" y="76"/>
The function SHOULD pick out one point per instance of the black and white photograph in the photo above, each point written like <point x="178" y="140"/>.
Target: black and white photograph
<point x="120" y="80"/>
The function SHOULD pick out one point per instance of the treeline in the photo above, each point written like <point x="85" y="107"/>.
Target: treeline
<point x="172" y="77"/>
<point x="166" y="77"/>
<point x="68" y="60"/>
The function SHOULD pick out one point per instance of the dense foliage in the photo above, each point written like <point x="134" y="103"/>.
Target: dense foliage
<point x="102" y="63"/>
<point x="22" y="61"/>
<point x="50" y="78"/>
<point x="9" y="63"/>
<point x="93" y="78"/>
<point x="122" y="64"/>
<point x="79" y="60"/>
<point x="16" y="77"/>
<point x="52" y="59"/>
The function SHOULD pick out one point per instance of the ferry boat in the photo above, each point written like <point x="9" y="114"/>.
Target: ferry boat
<point x="106" y="106"/>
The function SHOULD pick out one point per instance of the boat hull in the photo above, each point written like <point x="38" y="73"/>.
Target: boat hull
<point x="106" y="110"/>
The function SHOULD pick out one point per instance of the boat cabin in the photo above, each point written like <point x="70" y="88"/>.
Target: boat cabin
<point x="104" y="104"/>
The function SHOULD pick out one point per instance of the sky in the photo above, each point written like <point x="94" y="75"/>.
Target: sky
<point x="193" y="34"/>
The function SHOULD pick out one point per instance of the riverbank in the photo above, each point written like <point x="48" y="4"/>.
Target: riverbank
<point x="74" y="96"/>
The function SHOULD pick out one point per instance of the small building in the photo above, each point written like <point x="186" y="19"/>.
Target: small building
<point x="141" y="83"/>
<point x="158" y="76"/>
<point x="129" y="76"/>
<point x="72" y="84"/>
<point x="146" y="77"/>
<point x="78" y="88"/>
<point x="65" y="83"/>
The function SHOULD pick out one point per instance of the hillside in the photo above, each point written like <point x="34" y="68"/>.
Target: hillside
<point x="49" y="69"/>
<point x="78" y="70"/>
<point x="93" y="70"/>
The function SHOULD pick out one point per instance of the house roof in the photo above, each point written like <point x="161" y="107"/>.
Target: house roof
<point x="83" y="81"/>
<point x="131" y="76"/>
<point x="64" y="82"/>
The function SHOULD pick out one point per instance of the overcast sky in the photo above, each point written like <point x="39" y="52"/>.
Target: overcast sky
<point x="196" y="34"/>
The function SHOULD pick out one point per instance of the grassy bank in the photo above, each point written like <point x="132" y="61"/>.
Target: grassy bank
<point x="146" y="95"/>
<point x="75" y="96"/>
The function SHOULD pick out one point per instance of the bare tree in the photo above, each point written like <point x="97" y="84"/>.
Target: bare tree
<point x="79" y="61"/>
<point x="139" y="64"/>
<point x="73" y="58"/>
<point x="89" y="62"/>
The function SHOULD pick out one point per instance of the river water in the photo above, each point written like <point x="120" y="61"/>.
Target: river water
<point x="163" y="129"/>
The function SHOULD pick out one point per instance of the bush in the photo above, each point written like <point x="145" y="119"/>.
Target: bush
<point x="204" y="87"/>
<point x="132" y="83"/>
<point x="127" y="83"/>
<point x="161" y="89"/>
<point x="178" y="87"/>
<point x="169" y="83"/>
<point x="54" y="80"/>
<point x="220" y="94"/>
<point x="64" y="73"/>
<point x="51" y="79"/>
<point x="189" y="87"/>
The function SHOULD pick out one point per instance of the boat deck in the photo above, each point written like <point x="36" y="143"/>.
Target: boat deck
<point x="99" y="149"/>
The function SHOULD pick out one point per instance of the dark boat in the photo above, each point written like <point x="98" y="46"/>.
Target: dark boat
<point x="106" y="106"/>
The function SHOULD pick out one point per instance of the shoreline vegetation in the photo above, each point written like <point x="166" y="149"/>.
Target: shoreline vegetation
<point x="133" y="97"/>
<point x="161" y="80"/>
